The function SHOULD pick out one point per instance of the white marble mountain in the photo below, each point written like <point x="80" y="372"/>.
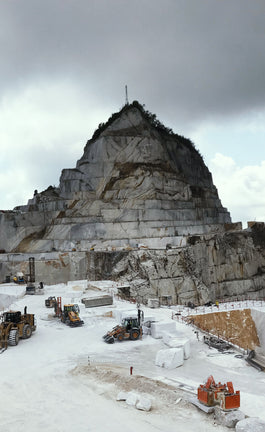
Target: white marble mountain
<point x="136" y="183"/>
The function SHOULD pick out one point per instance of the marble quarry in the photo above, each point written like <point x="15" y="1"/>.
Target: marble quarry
<point x="140" y="207"/>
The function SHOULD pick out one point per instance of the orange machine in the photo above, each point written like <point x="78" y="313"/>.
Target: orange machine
<point x="211" y="394"/>
<point x="69" y="314"/>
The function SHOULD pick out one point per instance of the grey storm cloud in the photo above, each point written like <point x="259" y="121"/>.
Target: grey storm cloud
<point x="193" y="58"/>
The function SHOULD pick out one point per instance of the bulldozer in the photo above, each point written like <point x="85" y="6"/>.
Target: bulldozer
<point x="129" y="329"/>
<point x="15" y="326"/>
<point x="69" y="314"/>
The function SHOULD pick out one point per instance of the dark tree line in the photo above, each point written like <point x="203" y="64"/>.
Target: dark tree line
<point x="148" y="116"/>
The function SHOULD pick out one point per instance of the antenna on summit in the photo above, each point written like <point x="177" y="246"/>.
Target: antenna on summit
<point x="126" y="96"/>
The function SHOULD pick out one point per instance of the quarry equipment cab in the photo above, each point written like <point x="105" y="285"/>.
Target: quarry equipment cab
<point x="50" y="302"/>
<point x="69" y="314"/>
<point x="19" y="278"/>
<point x="15" y="326"/>
<point x="130" y="328"/>
<point x="211" y="394"/>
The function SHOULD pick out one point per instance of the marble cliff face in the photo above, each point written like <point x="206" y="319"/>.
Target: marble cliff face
<point x="137" y="185"/>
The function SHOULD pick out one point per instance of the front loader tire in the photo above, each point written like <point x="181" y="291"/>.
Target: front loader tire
<point x="26" y="332"/>
<point x="120" y="337"/>
<point x="13" y="337"/>
<point x="134" y="334"/>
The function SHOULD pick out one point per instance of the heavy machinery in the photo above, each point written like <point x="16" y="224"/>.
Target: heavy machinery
<point x="130" y="328"/>
<point x="50" y="302"/>
<point x="69" y="314"/>
<point x="15" y="326"/>
<point x="211" y="394"/>
<point x="19" y="278"/>
<point x="256" y="358"/>
<point x="30" y="288"/>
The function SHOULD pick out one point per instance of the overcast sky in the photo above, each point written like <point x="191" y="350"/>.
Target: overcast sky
<point x="199" y="65"/>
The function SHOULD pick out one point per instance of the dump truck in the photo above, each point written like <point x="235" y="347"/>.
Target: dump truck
<point x="14" y="326"/>
<point x="129" y="329"/>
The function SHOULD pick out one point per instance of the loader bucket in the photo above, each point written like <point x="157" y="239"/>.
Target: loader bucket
<point x="109" y="339"/>
<point x="76" y="323"/>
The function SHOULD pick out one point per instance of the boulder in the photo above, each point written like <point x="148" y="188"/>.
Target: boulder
<point x="251" y="424"/>
<point x="144" y="404"/>
<point x="228" y="419"/>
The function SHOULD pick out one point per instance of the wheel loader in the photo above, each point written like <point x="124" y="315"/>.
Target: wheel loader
<point x="130" y="328"/>
<point x="15" y="326"/>
<point x="69" y="314"/>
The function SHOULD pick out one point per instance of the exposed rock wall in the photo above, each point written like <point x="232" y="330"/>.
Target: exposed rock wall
<point x="237" y="327"/>
<point x="221" y="266"/>
<point x="214" y="267"/>
<point x="50" y="268"/>
<point x="137" y="184"/>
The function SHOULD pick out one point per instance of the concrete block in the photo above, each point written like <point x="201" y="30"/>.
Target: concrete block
<point x="144" y="404"/>
<point x="132" y="399"/>
<point x="104" y="300"/>
<point x="159" y="328"/>
<point x="153" y="303"/>
<point x="146" y="330"/>
<point x="174" y="341"/>
<point x="123" y="313"/>
<point x="170" y="358"/>
<point x="122" y="396"/>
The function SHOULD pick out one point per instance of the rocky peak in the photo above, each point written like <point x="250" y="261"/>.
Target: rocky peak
<point x="136" y="182"/>
<point x="135" y="139"/>
<point x="139" y="207"/>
